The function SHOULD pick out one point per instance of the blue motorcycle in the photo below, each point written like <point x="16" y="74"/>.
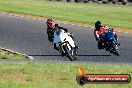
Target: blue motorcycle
<point x="109" y="42"/>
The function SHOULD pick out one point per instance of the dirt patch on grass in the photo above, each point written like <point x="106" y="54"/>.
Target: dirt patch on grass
<point x="20" y="78"/>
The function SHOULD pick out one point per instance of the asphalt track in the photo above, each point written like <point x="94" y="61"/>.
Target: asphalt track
<point x="29" y="36"/>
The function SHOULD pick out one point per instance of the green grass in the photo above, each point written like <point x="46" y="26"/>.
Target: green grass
<point x="63" y="75"/>
<point x="118" y="16"/>
<point x="55" y="75"/>
<point x="4" y="54"/>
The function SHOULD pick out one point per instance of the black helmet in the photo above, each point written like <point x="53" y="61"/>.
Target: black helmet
<point x="98" y="25"/>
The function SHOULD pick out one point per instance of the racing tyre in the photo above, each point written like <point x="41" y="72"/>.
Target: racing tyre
<point x="67" y="53"/>
<point x="124" y="2"/>
<point x="114" y="1"/>
<point x="114" y="51"/>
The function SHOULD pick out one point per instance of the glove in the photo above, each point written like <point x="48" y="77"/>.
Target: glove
<point x="56" y="25"/>
<point x="66" y="30"/>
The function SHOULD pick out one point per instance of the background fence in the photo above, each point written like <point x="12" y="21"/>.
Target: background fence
<point x="124" y="2"/>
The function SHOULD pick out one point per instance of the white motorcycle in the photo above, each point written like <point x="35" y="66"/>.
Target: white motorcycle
<point x="65" y="44"/>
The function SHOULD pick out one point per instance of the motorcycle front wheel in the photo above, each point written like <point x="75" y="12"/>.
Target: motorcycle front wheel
<point x="68" y="54"/>
<point x="113" y="49"/>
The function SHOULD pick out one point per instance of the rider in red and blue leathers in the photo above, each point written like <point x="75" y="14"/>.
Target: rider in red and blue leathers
<point x="100" y="32"/>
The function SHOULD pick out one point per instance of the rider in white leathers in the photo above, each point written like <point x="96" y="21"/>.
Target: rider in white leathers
<point x="51" y="28"/>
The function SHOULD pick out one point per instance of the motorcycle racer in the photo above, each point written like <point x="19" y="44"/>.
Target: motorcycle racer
<point x="51" y="28"/>
<point x="100" y="32"/>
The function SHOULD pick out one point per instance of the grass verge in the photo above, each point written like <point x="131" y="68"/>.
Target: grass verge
<point x="118" y="16"/>
<point x="55" y="75"/>
<point x="5" y="54"/>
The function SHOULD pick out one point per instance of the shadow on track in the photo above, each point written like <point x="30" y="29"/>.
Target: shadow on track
<point x="44" y="55"/>
<point x="77" y="55"/>
<point x="92" y="55"/>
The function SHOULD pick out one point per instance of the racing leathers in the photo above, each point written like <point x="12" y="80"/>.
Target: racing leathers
<point x="50" y="32"/>
<point x="102" y="32"/>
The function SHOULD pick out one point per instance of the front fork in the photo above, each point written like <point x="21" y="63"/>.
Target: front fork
<point x="59" y="47"/>
<point x="115" y="44"/>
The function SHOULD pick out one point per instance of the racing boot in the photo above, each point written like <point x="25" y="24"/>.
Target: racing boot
<point x="99" y="45"/>
<point x="76" y="49"/>
<point x="56" y="47"/>
<point x="62" y="54"/>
